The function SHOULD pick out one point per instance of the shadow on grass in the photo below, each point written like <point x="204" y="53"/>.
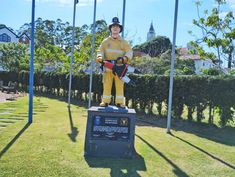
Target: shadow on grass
<point x="74" y="130"/>
<point x="119" y="167"/>
<point x="225" y="135"/>
<point x="39" y="107"/>
<point x="205" y="152"/>
<point x="5" y="149"/>
<point x="74" y="101"/>
<point x="39" y="110"/>
<point x="176" y="170"/>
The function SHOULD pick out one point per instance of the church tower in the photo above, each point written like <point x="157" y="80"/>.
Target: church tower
<point x="151" y="33"/>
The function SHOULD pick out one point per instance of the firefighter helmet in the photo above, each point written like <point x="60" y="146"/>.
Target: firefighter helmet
<point x="115" y="21"/>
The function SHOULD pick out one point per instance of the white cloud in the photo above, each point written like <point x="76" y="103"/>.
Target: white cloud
<point x="68" y="2"/>
<point x="223" y="14"/>
<point x="232" y="7"/>
<point x="231" y="1"/>
<point x="231" y="4"/>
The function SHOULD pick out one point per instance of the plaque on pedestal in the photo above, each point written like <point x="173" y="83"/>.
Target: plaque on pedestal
<point x="110" y="132"/>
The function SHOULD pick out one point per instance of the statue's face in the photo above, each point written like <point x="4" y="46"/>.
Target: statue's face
<point x="115" y="29"/>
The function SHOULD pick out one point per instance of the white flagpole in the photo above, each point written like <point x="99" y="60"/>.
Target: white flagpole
<point x="92" y="53"/>
<point x="172" y="69"/>
<point x="72" y="53"/>
<point x="31" y="76"/>
<point x="123" y="17"/>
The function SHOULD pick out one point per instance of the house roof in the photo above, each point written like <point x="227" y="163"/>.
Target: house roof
<point x="10" y="31"/>
<point x="139" y="54"/>
<point x="184" y="54"/>
<point x="15" y="33"/>
<point x="25" y="35"/>
<point x="183" y="51"/>
<point x="151" y="27"/>
<point x="192" y="57"/>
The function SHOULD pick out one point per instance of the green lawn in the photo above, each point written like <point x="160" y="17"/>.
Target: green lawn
<point x="53" y="146"/>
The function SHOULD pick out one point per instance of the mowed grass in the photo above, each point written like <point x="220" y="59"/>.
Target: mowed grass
<point x="53" y="145"/>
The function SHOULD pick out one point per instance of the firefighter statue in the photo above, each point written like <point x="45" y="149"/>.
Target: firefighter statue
<point x="117" y="51"/>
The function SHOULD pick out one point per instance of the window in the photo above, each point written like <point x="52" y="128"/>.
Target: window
<point x="23" y="39"/>
<point x="5" y="38"/>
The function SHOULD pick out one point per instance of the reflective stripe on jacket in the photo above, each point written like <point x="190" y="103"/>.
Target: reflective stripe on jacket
<point x="111" y="49"/>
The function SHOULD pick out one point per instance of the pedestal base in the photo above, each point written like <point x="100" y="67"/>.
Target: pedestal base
<point x="110" y="132"/>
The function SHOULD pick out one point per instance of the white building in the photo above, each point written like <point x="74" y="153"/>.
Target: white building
<point x="199" y="63"/>
<point x="203" y="64"/>
<point x="7" y="35"/>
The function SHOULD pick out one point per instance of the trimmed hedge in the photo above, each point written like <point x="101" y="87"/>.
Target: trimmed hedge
<point x="196" y="93"/>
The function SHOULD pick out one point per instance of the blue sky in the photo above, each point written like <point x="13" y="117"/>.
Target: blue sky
<point x="139" y="15"/>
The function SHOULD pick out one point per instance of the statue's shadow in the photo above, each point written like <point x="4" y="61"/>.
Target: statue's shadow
<point x="119" y="167"/>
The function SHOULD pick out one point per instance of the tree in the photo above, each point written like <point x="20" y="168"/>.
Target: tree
<point x="55" y="33"/>
<point x="52" y="55"/>
<point x="212" y="71"/>
<point x="53" y="43"/>
<point x="218" y="33"/>
<point x="85" y="51"/>
<point x="155" y="47"/>
<point x="14" y="57"/>
<point x="161" y="65"/>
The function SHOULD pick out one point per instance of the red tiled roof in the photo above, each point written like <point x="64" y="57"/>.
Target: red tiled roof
<point x="191" y="57"/>
<point x="139" y="54"/>
<point x="183" y="52"/>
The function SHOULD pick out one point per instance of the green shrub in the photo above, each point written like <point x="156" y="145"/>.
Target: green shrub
<point x="195" y="92"/>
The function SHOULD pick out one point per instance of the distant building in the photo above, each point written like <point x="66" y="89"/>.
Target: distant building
<point x="199" y="63"/>
<point x="24" y="38"/>
<point x="48" y="67"/>
<point x="151" y="34"/>
<point x="139" y="54"/>
<point x="8" y="36"/>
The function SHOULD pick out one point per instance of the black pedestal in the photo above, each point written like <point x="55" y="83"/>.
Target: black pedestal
<point x="110" y="132"/>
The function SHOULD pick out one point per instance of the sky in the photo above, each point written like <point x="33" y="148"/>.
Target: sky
<point x="139" y="15"/>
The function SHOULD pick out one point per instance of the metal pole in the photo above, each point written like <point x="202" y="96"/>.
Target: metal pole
<point x="123" y="17"/>
<point x="92" y="53"/>
<point x="72" y="53"/>
<point x="172" y="69"/>
<point x="30" y="116"/>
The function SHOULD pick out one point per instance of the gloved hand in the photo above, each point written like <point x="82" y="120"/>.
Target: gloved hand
<point x="120" y="60"/>
<point x="99" y="60"/>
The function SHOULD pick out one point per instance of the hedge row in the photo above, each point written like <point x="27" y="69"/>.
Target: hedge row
<point x="196" y="93"/>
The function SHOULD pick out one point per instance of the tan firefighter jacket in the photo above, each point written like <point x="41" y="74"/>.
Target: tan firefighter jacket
<point x="111" y="49"/>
